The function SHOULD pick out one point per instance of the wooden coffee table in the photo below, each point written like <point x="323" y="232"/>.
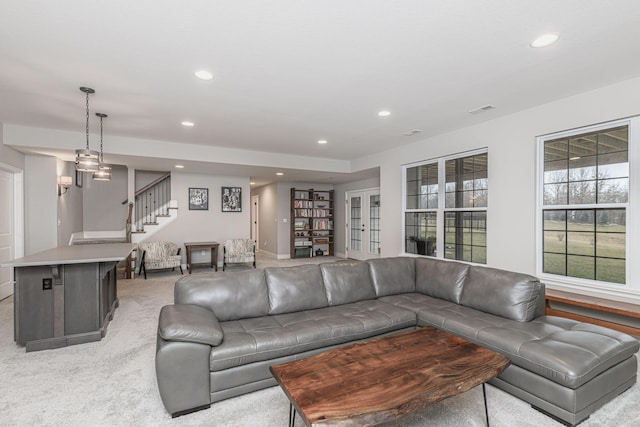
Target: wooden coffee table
<point x="371" y="382"/>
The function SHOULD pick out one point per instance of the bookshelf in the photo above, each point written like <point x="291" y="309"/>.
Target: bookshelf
<point x="312" y="231"/>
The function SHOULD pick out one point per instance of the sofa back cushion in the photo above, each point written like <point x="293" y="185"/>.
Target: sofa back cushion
<point x="230" y="295"/>
<point x="392" y="276"/>
<point x="441" y="279"/>
<point x="505" y="293"/>
<point x="295" y="288"/>
<point x="347" y="281"/>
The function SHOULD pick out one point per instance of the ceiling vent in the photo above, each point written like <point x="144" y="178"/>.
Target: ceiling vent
<point x="412" y="132"/>
<point x="482" y="109"/>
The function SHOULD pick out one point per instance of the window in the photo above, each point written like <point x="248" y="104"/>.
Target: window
<point x="584" y="196"/>
<point x="445" y="207"/>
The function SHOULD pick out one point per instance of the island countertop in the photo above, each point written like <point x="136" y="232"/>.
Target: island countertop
<point x="77" y="254"/>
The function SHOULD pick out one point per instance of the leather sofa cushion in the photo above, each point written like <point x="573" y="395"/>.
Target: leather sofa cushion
<point x="189" y="323"/>
<point x="512" y="295"/>
<point x="441" y="279"/>
<point x="230" y="295"/>
<point x="295" y="288"/>
<point x="564" y="351"/>
<point x="253" y="340"/>
<point x="347" y="282"/>
<point x="392" y="276"/>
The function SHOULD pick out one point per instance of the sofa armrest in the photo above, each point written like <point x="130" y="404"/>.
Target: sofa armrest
<point x="189" y="323"/>
<point x="182" y="374"/>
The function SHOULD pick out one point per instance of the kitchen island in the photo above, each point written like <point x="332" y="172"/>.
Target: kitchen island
<point x="67" y="295"/>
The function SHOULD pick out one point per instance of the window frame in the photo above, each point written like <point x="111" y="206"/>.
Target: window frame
<point x="631" y="271"/>
<point x="441" y="210"/>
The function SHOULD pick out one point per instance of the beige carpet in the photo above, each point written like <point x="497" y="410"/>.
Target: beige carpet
<point x="112" y="382"/>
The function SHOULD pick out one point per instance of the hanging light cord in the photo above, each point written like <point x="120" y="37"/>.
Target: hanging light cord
<point x="101" y="155"/>
<point x="87" y="127"/>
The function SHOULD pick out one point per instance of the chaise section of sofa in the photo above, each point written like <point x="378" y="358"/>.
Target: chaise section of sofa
<point x="225" y="329"/>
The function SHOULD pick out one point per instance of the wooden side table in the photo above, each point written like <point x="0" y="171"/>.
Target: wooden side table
<point x="198" y="246"/>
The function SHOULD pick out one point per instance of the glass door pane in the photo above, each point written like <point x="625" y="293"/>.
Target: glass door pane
<point x="355" y="204"/>
<point x="374" y="224"/>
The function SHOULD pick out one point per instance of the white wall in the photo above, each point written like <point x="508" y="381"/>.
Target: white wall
<point x="206" y="225"/>
<point x="511" y="141"/>
<point x="70" y="211"/>
<point x="12" y="161"/>
<point x="8" y="155"/>
<point x="41" y="204"/>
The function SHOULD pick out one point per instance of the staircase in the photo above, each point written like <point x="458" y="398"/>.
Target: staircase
<point x="152" y="211"/>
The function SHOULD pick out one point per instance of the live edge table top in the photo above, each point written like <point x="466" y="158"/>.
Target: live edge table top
<point x="371" y="382"/>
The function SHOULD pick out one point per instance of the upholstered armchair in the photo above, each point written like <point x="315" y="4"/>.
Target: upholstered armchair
<point x="159" y="255"/>
<point x="239" y="251"/>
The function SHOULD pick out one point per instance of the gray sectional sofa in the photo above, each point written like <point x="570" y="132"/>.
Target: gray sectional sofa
<point x="225" y="329"/>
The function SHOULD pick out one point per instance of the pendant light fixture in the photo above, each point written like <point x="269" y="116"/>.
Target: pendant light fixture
<point x="104" y="170"/>
<point x="87" y="159"/>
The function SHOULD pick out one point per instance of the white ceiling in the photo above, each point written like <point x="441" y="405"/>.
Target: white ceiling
<point x="290" y="72"/>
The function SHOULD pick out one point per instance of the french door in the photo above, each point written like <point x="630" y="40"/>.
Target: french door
<point x="255" y="218"/>
<point x="363" y="224"/>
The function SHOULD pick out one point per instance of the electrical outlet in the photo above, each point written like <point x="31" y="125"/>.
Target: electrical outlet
<point x="265" y="243"/>
<point x="47" y="283"/>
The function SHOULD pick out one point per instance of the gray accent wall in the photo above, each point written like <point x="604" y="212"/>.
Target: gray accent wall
<point x="102" y="201"/>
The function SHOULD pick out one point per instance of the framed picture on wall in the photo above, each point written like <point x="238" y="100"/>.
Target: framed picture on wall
<point x="231" y="199"/>
<point x="198" y="199"/>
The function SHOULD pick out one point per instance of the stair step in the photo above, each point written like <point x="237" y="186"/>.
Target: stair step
<point x="138" y="232"/>
<point x="163" y="215"/>
<point x="149" y="223"/>
<point x="99" y="240"/>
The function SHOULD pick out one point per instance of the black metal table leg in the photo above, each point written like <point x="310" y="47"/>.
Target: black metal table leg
<point x="486" y="410"/>
<point x="292" y="415"/>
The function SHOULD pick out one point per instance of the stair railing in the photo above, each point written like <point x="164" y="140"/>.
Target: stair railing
<point x="151" y="201"/>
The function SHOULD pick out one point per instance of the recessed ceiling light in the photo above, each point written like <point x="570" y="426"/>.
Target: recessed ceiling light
<point x="179" y="166"/>
<point x="203" y="75"/>
<point x="279" y="173"/>
<point x="188" y="124"/>
<point x="384" y="113"/>
<point x="322" y="141"/>
<point x="482" y="109"/>
<point x="545" y="40"/>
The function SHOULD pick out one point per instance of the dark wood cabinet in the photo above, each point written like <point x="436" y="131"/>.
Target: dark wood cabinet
<point x="312" y="222"/>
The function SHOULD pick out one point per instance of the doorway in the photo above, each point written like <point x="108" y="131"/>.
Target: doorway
<point x="255" y="218"/>
<point x="11" y="226"/>
<point x="363" y="224"/>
